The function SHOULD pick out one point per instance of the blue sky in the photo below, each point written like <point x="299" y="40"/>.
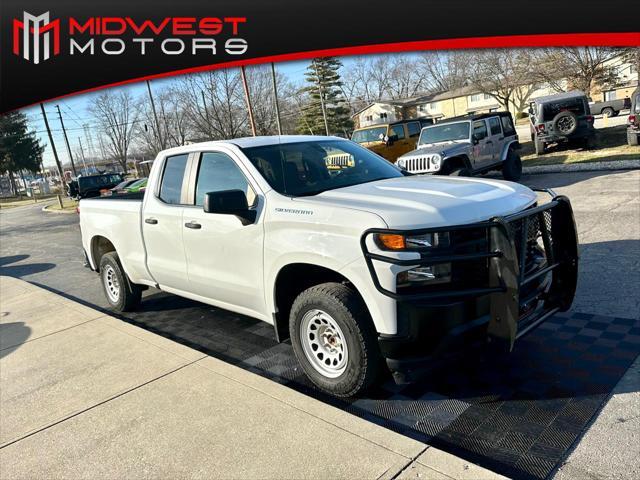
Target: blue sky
<point x="75" y="113"/>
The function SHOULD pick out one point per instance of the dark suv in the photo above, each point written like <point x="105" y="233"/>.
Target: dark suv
<point x="633" y="124"/>
<point x="561" y="118"/>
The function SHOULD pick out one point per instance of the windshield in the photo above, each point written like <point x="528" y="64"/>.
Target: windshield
<point x="444" y="133"/>
<point x="309" y="168"/>
<point x="369" y="134"/>
<point x="99" y="181"/>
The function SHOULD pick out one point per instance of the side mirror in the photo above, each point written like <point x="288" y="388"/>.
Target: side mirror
<point x="475" y="139"/>
<point x="229" y="202"/>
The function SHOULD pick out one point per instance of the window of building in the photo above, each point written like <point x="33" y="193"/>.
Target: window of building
<point x="172" y="178"/>
<point x="369" y="118"/>
<point x="383" y="116"/>
<point x="476" y="97"/>
<point x="487" y="96"/>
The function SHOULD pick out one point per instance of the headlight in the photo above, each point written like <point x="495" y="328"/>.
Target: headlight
<point x="401" y="163"/>
<point x="436" y="161"/>
<point x="433" y="274"/>
<point x="396" y="242"/>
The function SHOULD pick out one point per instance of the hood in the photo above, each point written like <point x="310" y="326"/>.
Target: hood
<point x="437" y="148"/>
<point x="430" y="201"/>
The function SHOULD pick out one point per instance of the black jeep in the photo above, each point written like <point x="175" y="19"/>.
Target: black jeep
<point x="561" y="118"/>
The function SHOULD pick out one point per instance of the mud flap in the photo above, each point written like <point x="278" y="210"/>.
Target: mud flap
<point x="503" y="272"/>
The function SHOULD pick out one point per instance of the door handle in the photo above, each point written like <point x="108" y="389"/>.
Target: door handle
<point x="151" y="221"/>
<point x="488" y="142"/>
<point x="193" y="225"/>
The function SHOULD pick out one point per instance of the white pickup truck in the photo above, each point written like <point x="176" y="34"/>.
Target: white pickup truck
<point x="366" y="268"/>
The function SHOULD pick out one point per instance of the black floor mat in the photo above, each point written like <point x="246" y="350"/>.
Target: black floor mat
<point x="516" y="414"/>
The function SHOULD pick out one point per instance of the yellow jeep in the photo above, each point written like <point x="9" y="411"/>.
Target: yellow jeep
<point x="391" y="140"/>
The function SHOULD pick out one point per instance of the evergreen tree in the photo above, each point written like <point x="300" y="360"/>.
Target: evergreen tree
<point x="323" y="78"/>
<point x="20" y="149"/>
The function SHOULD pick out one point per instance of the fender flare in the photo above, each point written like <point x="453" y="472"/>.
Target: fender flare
<point x="463" y="157"/>
<point x="506" y="148"/>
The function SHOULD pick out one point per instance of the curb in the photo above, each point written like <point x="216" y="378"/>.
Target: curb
<point x="65" y="212"/>
<point x="583" y="167"/>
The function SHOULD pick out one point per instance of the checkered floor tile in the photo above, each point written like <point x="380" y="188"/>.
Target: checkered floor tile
<point x="517" y="414"/>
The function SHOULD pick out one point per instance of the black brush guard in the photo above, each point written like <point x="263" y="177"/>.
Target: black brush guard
<point x="509" y="280"/>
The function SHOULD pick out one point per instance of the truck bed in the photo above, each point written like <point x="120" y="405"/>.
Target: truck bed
<point x="117" y="218"/>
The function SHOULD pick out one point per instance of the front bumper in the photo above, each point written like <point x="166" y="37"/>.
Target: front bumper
<point x="511" y="301"/>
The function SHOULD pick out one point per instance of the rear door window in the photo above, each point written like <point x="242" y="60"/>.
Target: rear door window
<point x="172" y="179"/>
<point x="413" y="128"/>
<point x="507" y="126"/>
<point x="494" y="125"/>
<point x="398" y="130"/>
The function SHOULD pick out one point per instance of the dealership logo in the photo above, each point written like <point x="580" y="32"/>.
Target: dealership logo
<point x="36" y="38"/>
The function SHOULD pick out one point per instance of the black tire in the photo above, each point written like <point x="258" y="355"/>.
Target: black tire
<point x="129" y="294"/>
<point x="632" y="138"/>
<point x="566" y="123"/>
<point x="344" y="307"/>
<point x="540" y="146"/>
<point x="608" y="112"/>
<point x="512" y="167"/>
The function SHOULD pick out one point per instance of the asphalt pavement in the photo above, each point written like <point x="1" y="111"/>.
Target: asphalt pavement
<point x="45" y="249"/>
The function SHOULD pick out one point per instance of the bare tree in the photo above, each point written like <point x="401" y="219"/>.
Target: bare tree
<point x="446" y="70"/>
<point x="370" y="79"/>
<point x="578" y="68"/>
<point x="505" y="74"/>
<point x="115" y="113"/>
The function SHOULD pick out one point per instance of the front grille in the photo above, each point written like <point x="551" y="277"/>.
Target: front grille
<point x="533" y="241"/>
<point x="418" y="164"/>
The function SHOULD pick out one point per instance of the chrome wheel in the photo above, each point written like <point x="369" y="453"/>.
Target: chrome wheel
<point x="111" y="283"/>
<point x="323" y="343"/>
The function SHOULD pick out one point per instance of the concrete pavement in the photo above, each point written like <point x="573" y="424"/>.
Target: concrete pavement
<point x="84" y="395"/>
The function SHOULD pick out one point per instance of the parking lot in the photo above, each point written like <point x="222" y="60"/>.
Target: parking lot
<point x="525" y="418"/>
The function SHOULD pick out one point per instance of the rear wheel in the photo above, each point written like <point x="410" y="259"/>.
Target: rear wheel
<point x="512" y="167"/>
<point x="334" y="340"/>
<point x="608" y="112"/>
<point x="121" y="294"/>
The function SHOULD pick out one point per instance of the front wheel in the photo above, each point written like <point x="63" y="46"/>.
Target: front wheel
<point x="334" y="340"/>
<point x="512" y="167"/>
<point x="121" y="294"/>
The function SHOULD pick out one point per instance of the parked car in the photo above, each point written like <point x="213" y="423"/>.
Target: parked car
<point x="633" y="122"/>
<point x="94" y="185"/>
<point x="391" y="140"/>
<point x="610" y="108"/>
<point x="121" y="187"/>
<point x="138" y="186"/>
<point x="560" y="118"/>
<point x="467" y="145"/>
<point x="355" y="266"/>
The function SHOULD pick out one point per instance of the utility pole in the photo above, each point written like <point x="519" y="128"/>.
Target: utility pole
<point x="66" y="141"/>
<point x="248" y="99"/>
<point x="206" y="110"/>
<point x="53" y="145"/>
<point x="155" y="115"/>
<point x="320" y="89"/>
<point x="275" y="97"/>
<point x="84" y="160"/>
